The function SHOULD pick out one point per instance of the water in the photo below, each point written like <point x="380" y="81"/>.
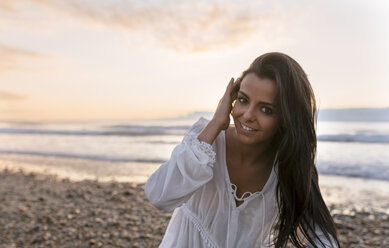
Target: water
<point x="348" y="148"/>
<point x="357" y="149"/>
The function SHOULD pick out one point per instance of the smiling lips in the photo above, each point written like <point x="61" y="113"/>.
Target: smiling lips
<point x="247" y="128"/>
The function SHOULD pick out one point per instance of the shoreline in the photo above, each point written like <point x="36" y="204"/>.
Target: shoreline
<point x="44" y="210"/>
<point x="340" y="190"/>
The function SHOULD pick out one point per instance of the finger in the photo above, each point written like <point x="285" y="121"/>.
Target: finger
<point x="235" y="89"/>
<point x="231" y="82"/>
<point x="237" y="81"/>
<point x="229" y="87"/>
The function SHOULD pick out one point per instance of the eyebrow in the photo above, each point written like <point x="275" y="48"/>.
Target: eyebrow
<point x="264" y="103"/>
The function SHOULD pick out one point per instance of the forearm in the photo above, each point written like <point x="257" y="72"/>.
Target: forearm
<point x="210" y="132"/>
<point x="189" y="167"/>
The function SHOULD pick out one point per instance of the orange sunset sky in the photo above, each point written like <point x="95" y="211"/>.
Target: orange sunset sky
<point x="111" y="59"/>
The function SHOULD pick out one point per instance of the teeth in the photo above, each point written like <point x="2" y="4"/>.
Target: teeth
<point x="246" y="128"/>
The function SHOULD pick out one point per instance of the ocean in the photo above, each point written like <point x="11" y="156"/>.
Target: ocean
<point x="347" y="146"/>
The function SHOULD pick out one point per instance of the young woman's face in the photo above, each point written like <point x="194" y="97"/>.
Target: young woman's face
<point x="254" y="112"/>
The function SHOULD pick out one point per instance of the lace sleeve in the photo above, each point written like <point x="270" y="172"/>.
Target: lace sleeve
<point x="202" y="147"/>
<point x="189" y="168"/>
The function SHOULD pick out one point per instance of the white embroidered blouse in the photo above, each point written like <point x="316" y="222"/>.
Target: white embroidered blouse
<point x="196" y="185"/>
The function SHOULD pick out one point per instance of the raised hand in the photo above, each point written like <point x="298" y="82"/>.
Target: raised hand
<point x="222" y="113"/>
<point x="221" y="118"/>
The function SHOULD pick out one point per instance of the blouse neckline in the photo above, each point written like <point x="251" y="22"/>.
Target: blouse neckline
<point x="233" y="188"/>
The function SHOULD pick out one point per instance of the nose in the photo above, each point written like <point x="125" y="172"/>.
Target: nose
<point x="249" y="114"/>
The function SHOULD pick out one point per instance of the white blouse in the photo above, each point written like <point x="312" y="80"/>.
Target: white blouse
<point x="196" y="185"/>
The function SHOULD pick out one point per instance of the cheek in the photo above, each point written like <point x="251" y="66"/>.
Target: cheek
<point x="236" y="110"/>
<point x="270" y="124"/>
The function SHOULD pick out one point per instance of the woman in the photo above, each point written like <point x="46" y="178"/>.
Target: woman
<point x="253" y="184"/>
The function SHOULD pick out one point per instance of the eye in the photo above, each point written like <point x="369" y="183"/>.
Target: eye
<point x="267" y="110"/>
<point x="242" y="100"/>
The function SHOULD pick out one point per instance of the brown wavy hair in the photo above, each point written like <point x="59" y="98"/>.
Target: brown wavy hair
<point x="301" y="208"/>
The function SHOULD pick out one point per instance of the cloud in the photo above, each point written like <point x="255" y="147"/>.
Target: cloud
<point x="10" y="96"/>
<point x="209" y="27"/>
<point x="11" y="56"/>
<point x="10" y="52"/>
<point x="6" y="5"/>
<point x="190" y="26"/>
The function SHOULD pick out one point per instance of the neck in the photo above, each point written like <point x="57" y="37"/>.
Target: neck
<point x="261" y="154"/>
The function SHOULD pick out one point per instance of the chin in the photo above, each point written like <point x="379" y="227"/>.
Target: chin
<point x="247" y="139"/>
<point x="252" y="139"/>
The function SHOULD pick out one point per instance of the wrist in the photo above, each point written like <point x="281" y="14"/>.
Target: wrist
<point x="210" y="132"/>
<point x="217" y="124"/>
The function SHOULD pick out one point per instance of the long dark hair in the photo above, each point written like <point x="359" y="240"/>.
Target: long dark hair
<point x="301" y="209"/>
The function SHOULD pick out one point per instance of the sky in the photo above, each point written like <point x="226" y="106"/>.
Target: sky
<point x="117" y="59"/>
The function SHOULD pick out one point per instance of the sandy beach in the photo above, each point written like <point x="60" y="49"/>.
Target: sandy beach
<point x="43" y="211"/>
<point x="40" y="210"/>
